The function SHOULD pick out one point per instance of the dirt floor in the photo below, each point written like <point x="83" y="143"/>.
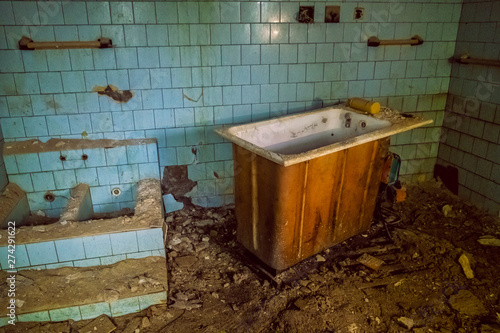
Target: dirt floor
<point x="424" y="243"/>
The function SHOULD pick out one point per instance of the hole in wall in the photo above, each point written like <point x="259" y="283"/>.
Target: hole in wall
<point x="176" y="182"/>
<point x="62" y="158"/>
<point x="116" y="192"/>
<point x="306" y="14"/>
<point x="359" y="13"/>
<point x="49" y="197"/>
<point x="85" y="157"/>
<point x="332" y="14"/>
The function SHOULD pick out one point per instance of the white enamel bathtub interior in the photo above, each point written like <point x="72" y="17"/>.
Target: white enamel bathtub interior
<point x="292" y="139"/>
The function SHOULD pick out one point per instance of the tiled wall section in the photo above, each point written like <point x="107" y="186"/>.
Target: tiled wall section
<point x="87" y="251"/>
<point x="112" y="309"/>
<point x="472" y="124"/>
<point x="194" y="66"/>
<point x="104" y="169"/>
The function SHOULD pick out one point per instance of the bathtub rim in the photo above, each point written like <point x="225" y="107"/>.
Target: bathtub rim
<point x="399" y="123"/>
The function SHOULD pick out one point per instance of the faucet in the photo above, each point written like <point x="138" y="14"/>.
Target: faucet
<point x="347" y="120"/>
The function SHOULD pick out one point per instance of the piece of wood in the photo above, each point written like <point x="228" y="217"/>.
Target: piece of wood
<point x="370" y="261"/>
<point x="101" y="324"/>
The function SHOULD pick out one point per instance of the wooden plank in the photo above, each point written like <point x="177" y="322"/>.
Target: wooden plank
<point x="321" y="202"/>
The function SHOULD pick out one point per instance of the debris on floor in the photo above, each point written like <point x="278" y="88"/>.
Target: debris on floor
<point x="420" y="287"/>
<point x="101" y="324"/>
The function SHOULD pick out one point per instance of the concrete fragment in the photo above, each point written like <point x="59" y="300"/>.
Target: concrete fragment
<point x="467" y="303"/>
<point x="465" y="263"/>
<point x="171" y="205"/>
<point x="204" y="223"/>
<point x="406" y="322"/>
<point x="320" y="258"/>
<point x="133" y="325"/>
<point x="370" y="261"/>
<point x="447" y="210"/>
<point x="145" y="322"/>
<point x="186" y="261"/>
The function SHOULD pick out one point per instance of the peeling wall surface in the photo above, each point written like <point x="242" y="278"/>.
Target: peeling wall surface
<point x="471" y="131"/>
<point x="193" y="66"/>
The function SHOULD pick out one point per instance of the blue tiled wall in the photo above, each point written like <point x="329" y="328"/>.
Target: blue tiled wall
<point x="193" y="66"/>
<point x="471" y="138"/>
<point x="116" y="308"/>
<point x="103" y="170"/>
<point x="87" y="251"/>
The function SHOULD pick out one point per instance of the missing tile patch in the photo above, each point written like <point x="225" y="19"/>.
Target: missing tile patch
<point x="176" y="182"/>
<point x="120" y="96"/>
<point x="306" y="14"/>
<point x="332" y="14"/>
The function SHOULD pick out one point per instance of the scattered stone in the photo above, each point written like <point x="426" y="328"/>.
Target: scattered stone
<point x="111" y="295"/>
<point x="240" y="277"/>
<point x="19" y="303"/>
<point x="185" y="261"/>
<point x="182" y="302"/>
<point x="213" y="233"/>
<point x="40" y="213"/>
<point x="204" y="223"/>
<point x="489" y="240"/>
<point x="467" y="303"/>
<point x="174" y="241"/>
<point x="320" y="258"/>
<point x="370" y="261"/>
<point x="406" y="322"/>
<point x="447" y="209"/>
<point x="353" y="328"/>
<point x="300" y="303"/>
<point x="145" y="322"/>
<point x="101" y="324"/>
<point x="205" y="239"/>
<point x="200" y="246"/>
<point x="133" y="325"/>
<point x="465" y="263"/>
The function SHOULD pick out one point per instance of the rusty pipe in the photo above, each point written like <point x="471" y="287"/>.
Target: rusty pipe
<point x="415" y="40"/>
<point x="26" y="43"/>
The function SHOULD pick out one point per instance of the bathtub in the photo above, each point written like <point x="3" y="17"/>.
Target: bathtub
<point x="308" y="181"/>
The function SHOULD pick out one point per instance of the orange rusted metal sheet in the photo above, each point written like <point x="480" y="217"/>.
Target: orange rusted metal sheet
<point x="287" y="214"/>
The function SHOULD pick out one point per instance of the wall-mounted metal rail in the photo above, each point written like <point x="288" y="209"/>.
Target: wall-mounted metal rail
<point x="465" y="59"/>
<point x="373" y="41"/>
<point x="26" y="43"/>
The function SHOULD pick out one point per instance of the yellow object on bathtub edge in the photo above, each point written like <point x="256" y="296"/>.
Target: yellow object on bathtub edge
<point x="364" y="105"/>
